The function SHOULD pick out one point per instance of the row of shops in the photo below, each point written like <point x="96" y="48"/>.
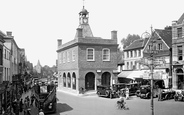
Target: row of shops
<point x="9" y="91"/>
<point x="127" y="76"/>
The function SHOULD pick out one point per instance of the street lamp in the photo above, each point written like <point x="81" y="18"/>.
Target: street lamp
<point x="150" y="52"/>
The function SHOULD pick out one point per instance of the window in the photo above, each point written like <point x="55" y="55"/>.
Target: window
<point x="149" y="47"/>
<point x="106" y="54"/>
<point x="73" y="55"/>
<point x="90" y="54"/>
<point x="135" y="66"/>
<point x="127" y="54"/>
<point x="64" y="57"/>
<point x="180" y="52"/>
<point x="159" y="47"/>
<point x="131" y="54"/>
<point x="131" y="66"/>
<point x="135" y="53"/>
<point x="179" y="32"/>
<point x="1" y="57"/>
<point x="59" y="57"/>
<point x="139" y="53"/>
<point x="68" y="56"/>
<point x="127" y="65"/>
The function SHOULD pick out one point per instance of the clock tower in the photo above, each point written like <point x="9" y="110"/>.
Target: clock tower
<point x="83" y="23"/>
<point x="83" y="16"/>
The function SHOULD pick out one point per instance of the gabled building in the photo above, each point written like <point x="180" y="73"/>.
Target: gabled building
<point x="1" y="55"/>
<point x="178" y="52"/>
<point x="86" y="61"/>
<point x="132" y="54"/>
<point x="160" y="43"/>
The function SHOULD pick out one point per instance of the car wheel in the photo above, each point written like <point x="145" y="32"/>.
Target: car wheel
<point x="106" y="94"/>
<point x="110" y="96"/>
<point x="175" y="98"/>
<point x="98" y="93"/>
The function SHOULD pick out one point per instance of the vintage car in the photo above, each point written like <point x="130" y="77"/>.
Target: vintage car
<point x="145" y="92"/>
<point x="106" y="91"/>
<point x="133" y="87"/>
<point x="168" y="94"/>
<point x="118" y="87"/>
<point x="179" y="95"/>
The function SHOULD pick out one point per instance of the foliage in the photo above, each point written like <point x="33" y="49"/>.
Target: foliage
<point x="129" y="39"/>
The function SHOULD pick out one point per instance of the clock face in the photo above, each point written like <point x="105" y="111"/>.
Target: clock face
<point x="85" y="20"/>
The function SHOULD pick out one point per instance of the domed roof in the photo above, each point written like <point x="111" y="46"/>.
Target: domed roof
<point x="84" y="11"/>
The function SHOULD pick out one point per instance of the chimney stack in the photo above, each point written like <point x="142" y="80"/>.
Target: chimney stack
<point x="9" y="33"/>
<point x="79" y="32"/>
<point x="114" y="35"/>
<point x="59" y="42"/>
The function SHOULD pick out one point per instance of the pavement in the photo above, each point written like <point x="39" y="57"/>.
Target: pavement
<point x="34" y="110"/>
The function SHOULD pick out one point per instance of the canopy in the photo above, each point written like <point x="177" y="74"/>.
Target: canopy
<point x="131" y="74"/>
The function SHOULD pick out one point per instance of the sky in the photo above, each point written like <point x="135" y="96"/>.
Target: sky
<point x="37" y="24"/>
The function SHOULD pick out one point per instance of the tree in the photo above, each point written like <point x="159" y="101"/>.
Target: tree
<point x="129" y="39"/>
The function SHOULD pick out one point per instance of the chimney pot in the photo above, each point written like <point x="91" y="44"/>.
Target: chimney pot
<point x="79" y="32"/>
<point x="9" y="33"/>
<point x="59" y="42"/>
<point x="114" y="35"/>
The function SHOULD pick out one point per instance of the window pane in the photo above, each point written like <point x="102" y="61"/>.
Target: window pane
<point x="106" y="55"/>
<point x="90" y="55"/>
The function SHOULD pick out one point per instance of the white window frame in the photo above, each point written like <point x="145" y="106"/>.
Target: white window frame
<point x="68" y="56"/>
<point x="93" y="54"/>
<point x="73" y="55"/>
<point x="64" y="57"/>
<point x="108" y="55"/>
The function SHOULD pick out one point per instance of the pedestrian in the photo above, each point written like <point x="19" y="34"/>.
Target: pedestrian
<point x="25" y="106"/>
<point x="41" y="112"/>
<point x="14" y="104"/>
<point x="32" y="99"/>
<point x="127" y="93"/>
<point x="159" y="94"/>
<point x="28" y="100"/>
<point x="21" y="105"/>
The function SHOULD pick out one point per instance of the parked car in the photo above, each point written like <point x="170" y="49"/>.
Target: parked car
<point x="118" y="88"/>
<point x="168" y="94"/>
<point x="106" y="91"/>
<point x="179" y="96"/>
<point x="145" y="90"/>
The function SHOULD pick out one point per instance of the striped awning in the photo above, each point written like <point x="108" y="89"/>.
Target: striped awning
<point x="131" y="74"/>
<point x="124" y="74"/>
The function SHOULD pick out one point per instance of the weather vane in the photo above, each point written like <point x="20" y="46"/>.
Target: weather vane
<point x="83" y="3"/>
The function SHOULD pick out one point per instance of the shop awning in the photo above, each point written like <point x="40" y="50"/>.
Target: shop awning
<point x="131" y="74"/>
<point x="124" y="74"/>
<point x="136" y="74"/>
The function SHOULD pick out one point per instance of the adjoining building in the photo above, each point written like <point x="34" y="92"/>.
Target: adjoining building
<point x="86" y="61"/>
<point x="136" y="60"/>
<point x="177" y="48"/>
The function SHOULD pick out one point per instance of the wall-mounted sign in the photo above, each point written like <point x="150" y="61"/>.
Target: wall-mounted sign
<point x="98" y="71"/>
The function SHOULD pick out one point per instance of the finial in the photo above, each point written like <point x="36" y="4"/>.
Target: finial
<point x="83" y="3"/>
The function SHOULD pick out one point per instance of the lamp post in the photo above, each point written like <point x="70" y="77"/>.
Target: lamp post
<point x="151" y="51"/>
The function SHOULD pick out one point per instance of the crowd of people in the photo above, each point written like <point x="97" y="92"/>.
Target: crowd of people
<point x="23" y="105"/>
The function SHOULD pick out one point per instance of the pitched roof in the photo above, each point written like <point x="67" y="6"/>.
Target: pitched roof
<point x="166" y="35"/>
<point x="180" y="20"/>
<point x="140" y="43"/>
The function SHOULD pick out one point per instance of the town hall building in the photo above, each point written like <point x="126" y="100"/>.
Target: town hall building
<point x="86" y="61"/>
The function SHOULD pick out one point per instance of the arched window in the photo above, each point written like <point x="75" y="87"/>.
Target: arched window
<point x="64" y="80"/>
<point x="74" y="80"/>
<point x="69" y="80"/>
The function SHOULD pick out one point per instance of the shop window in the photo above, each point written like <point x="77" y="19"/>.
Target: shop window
<point x="180" y="52"/>
<point x="179" y="32"/>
